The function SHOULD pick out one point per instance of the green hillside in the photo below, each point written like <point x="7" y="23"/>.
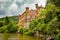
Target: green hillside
<point x="12" y="18"/>
<point x="9" y="24"/>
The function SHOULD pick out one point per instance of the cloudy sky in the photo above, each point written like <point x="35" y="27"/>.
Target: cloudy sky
<point x="16" y="7"/>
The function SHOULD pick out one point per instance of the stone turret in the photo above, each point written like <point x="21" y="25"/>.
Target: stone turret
<point x="27" y="9"/>
<point x="36" y="5"/>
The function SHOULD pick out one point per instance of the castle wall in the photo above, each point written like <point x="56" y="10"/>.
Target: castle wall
<point x="27" y="16"/>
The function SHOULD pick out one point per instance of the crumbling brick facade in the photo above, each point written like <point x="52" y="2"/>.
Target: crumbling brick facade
<point x="27" y="16"/>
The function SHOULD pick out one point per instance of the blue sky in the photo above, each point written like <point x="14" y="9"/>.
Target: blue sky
<point x="16" y="7"/>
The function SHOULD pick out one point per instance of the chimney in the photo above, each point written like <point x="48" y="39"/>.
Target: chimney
<point x="36" y="6"/>
<point x="27" y="9"/>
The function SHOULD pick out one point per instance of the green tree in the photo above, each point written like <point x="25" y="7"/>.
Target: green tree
<point x="7" y="21"/>
<point x="1" y="24"/>
<point x="56" y="2"/>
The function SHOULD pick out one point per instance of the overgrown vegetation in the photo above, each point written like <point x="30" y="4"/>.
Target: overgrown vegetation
<point x="8" y="25"/>
<point x="47" y="22"/>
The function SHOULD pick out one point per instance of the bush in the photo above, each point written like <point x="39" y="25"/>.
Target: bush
<point x="12" y="27"/>
<point x="21" y="30"/>
<point x="3" y="28"/>
<point x="57" y="37"/>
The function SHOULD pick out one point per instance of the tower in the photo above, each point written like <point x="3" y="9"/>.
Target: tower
<point x="36" y="5"/>
<point x="27" y="9"/>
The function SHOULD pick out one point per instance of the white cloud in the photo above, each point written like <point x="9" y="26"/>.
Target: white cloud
<point x="13" y="6"/>
<point x="10" y="8"/>
<point x="41" y="2"/>
<point x="20" y="1"/>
